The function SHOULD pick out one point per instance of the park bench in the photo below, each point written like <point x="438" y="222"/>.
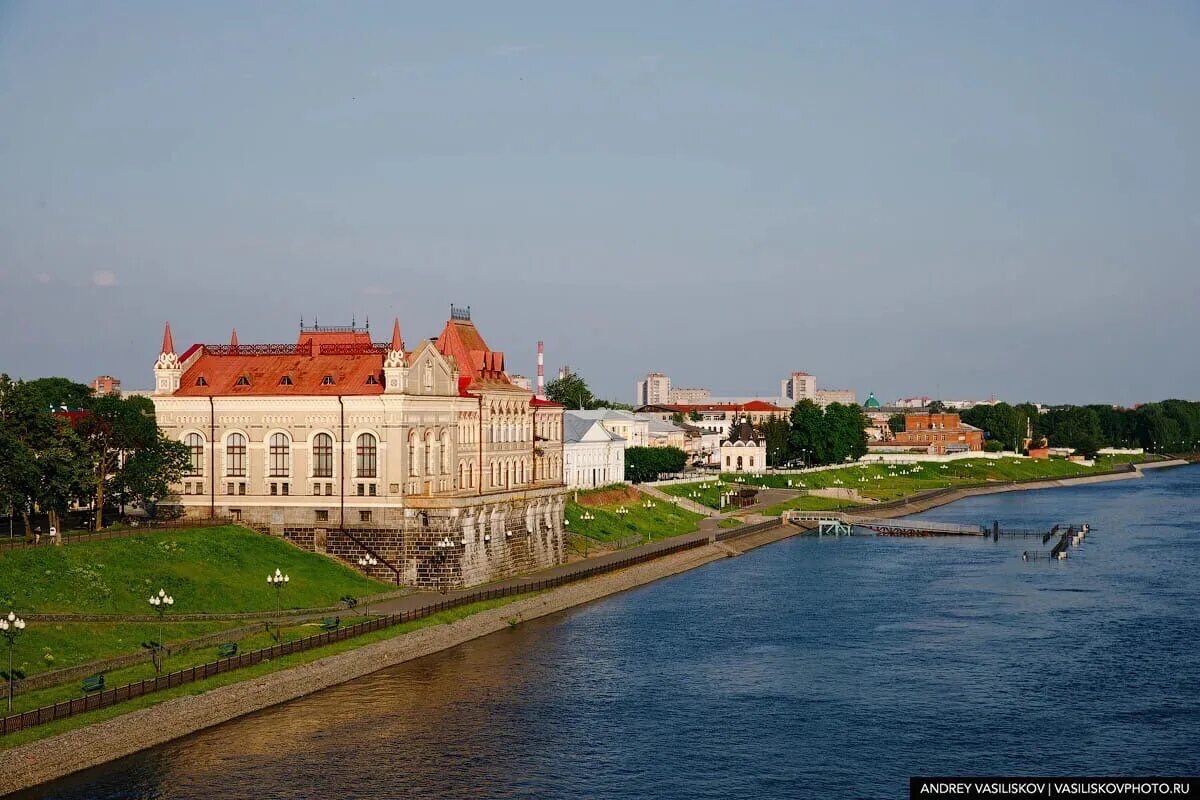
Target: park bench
<point x="331" y="623"/>
<point x="94" y="683"/>
<point x="227" y="650"/>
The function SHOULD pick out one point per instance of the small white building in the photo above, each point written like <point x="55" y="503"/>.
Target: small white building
<point x="745" y="451"/>
<point x="634" y="430"/>
<point x="592" y="455"/>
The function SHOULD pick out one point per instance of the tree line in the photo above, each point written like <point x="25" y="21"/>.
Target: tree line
<point x="61" y="446"/>
<point x="1166" y="426"/>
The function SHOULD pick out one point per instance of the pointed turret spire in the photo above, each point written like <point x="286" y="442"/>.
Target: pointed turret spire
<point x="233" y="342"/>
<point x="168" y="345"/>
<point x="397" y="344"/>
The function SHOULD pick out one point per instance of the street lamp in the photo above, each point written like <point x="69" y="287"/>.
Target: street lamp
<point x="11" y="626"/>
<point x="365" y="562"/>
<point x="277" y="582"/>
<point x="160" y="603"/>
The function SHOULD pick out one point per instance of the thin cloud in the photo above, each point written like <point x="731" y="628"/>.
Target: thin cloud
<point x="43" y="278"/>
<point x="104" y="278"/>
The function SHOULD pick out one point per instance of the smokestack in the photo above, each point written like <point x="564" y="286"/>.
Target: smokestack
<point x="541" y="374"/>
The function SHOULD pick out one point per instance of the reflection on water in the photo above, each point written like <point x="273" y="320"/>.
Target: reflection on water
<point x="806" y="669"/>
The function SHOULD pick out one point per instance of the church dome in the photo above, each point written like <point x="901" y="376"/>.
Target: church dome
<point x="871" y="403"/>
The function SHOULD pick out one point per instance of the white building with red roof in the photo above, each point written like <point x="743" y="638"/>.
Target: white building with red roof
<point x="430" y="460"/>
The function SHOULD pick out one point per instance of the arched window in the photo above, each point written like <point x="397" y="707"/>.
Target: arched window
<point x="366" y="456"/>
<point x="280" y="449"/>
<point x="428" y="452"/>
<point x="412" y="453"/>
<point x="322" y="456"/>
<point x="445" y="452"/>
<point x="235" y="456"/>
<point x="195" y="446"/>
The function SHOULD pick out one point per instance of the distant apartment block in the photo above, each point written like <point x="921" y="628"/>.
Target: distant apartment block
<point x="105" y="384"/>
<point x="522" y="382"/>
<point x="827" y="396"/>
<point x="798" y="386"/>
<point x="654" y="390"/>
<point x="690" y="396"/>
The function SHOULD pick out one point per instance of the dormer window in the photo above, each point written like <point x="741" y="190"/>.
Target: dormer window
<point x="372" y="380"/>
<point x="327" y="380"/>
<point x="242" y="381"/>
<point x="286" y="380"/>
<point x="201" y="382"/>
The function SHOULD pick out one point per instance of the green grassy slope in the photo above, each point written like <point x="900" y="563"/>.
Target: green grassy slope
<point x="206" y="570"/>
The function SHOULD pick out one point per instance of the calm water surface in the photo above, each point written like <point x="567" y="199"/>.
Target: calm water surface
<point x="810" y="668"/>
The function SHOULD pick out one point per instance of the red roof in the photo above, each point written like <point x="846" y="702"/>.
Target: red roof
<point x="753" y="405"/>
<point x="538" y="402"/>
<point x="460" y="340"/>
<point x="320" y="363"/>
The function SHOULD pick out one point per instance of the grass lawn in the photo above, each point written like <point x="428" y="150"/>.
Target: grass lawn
<point x="879" y="482"/>
<point x="116" y="678"/>
<point x="706" y="493"/>
<point x="46" y="646"/>
<point x="729" y="522"/>
<point x="808" y="503"/>
<point x="206" y="570"/>
<point x="660" y="521"/>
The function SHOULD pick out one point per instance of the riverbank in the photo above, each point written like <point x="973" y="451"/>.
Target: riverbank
<point x="65" y="753"/>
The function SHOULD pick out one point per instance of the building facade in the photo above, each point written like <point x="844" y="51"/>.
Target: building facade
<point x="684" y="395"/>
<point x="942" y="433"/>
<point x="428" y="459"/>
<point x="593" y="456"/>
<point x="656" y="388"/>
<point x="745" y="450"/>
<point x="105" y="384"/>
<point x="829" y="396"/>
<point x="798" y="386"/>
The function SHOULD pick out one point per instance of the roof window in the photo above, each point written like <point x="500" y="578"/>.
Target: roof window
<point x="327" y="380"/>
<point x="372" y="380"/>
<point x="242" y="381"/>
<point x="201" y="382"/>
<point x="286" y="380"/>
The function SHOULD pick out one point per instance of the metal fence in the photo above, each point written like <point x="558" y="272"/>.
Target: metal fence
<point x="109" y="697"/>
<point x="148" y="526"/>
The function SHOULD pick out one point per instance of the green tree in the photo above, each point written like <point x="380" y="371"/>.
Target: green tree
<point x="777" y="432"/>
<point x="807" y="437"/>
<point x="113" y="430"/>
<point x="896" y="423"/>
<point x="845" y="429"/>
<point x="695" y="416"/>
<point x="58" y="393"/>
<point x="647" y="463"/>
<point x="571" y="391"/>
<point x="147" y="473"/>
<point x="677" y="418"/>
<point x="42" y="461"/>
<point x="936" y="407"/>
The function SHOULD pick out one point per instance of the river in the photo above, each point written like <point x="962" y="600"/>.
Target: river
<point x="808" y="669"/>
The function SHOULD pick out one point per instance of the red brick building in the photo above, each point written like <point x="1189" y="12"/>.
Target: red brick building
<point x="945" y="433"/>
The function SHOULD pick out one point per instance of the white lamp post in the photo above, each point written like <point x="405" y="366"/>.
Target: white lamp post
<point x="11" y="626"/>
<point x="160" y="602"/>
<point x="277" y="582"/>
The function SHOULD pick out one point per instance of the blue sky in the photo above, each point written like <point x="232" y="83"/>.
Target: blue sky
<point x="954" y="199"/>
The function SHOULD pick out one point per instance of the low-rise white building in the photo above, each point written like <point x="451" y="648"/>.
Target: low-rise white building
<point x="635" y="431"/>
<point x="592" y="455"/>
<point x="745" y="451"/>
